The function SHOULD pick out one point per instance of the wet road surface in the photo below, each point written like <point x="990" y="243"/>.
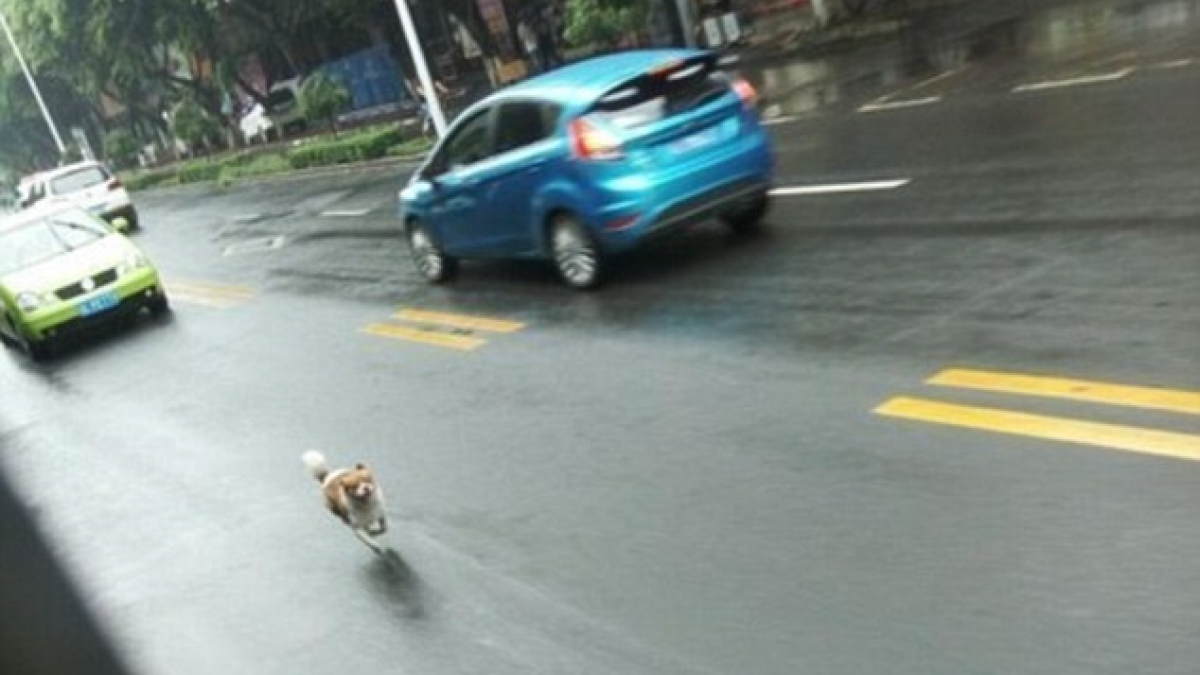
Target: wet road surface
<point x="939" y="419"/>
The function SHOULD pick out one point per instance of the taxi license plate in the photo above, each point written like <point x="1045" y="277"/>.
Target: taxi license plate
<point x="100" y="303"/>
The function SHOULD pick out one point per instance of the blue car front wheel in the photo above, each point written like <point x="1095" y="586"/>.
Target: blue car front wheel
<point x="436" y="267"/>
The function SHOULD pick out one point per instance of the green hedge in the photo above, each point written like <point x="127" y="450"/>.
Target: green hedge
<point x="142" y="180"/>
<point x="263" y="165"/>
<point x="373" y="143"/>
<point x="357" y="148"/>
<point x="199" y="171"/>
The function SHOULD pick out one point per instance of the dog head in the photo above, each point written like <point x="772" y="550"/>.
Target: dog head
<point x="358" y="483"/>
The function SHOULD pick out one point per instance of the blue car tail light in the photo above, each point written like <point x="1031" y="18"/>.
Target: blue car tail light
<point x="590" y="142"/>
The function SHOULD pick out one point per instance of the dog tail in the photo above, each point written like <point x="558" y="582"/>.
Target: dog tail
<point x="316" y="464"/>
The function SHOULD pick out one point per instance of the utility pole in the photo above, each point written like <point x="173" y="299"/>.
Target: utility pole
<point x="418" y="57"/>
<point x="687" y="23"/>
<point x="821" y="10"/>
<point x="37" y="94"/>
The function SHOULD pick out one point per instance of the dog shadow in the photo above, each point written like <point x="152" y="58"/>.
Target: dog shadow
<point x="391" y="578"/>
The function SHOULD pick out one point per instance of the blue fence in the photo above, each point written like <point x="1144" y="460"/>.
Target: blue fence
<point x="371" y="76"/>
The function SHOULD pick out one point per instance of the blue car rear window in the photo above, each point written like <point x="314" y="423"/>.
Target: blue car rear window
<point x="653" y="97"/>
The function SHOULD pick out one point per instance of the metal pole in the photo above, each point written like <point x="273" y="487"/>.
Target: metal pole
<point x="37" y="94"/>
<point x="686" y="22"/>
<point x="821" y="10"/>
<point x="418" y="57"/>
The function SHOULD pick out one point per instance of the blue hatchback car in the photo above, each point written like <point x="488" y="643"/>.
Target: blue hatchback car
<point x="589" y="160"/>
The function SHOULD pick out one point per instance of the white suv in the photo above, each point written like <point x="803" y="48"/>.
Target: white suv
<point x="285" y="117"/>
<point x="88" y="185"/>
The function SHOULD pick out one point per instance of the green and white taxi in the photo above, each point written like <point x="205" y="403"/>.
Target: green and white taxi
<point x="63" y="271"/>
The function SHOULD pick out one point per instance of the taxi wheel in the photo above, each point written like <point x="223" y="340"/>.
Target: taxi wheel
<point x="4" y="336"/>
<point x="38" y="350"/>
<point x="159" y="306"/>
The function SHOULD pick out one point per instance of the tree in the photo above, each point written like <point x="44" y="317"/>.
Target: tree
<point x="112" y="49"/>
<point x="121" y="148"/>
<point x="605" y="23"/>
<point x="282" y="24"/>
<point x="192" y="124"/>
<point x="322" y="98"/>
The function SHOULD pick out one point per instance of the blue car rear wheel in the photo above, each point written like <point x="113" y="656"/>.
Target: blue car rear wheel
<point x="576" y="256"/>
<point x="747" y="216"/>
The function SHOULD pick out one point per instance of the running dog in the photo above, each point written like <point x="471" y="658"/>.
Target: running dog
<point x="352" y="495"/>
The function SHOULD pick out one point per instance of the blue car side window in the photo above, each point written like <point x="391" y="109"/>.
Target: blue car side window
<point x="470" y="143"/>
<point x="524" y="123"/>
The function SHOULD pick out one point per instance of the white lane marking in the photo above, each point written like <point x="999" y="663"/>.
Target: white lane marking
<point x="1075" y="81"/>
<point x="1168" y="65"/>
<point x="886" y="101"/>
<point x="354" y="213"/>
<point x="936" y="78"/>
<point x="782" y="119"/>
<point x="894" y="105"/>
<point x="257" y="245"/>
<point x="833" y="188"/>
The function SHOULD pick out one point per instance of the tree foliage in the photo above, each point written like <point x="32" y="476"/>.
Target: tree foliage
<point x="117" y="62"/>
<point x="192" y="124"/>
<point x="322" y="98"/>
<point x="121" y="147"/>
<point x="605" y="23"/>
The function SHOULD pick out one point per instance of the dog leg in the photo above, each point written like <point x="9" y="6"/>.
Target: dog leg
<point x="369" y="541"/>
<point x="337" y="510"/>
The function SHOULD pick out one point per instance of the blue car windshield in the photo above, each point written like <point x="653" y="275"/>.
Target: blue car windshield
<point x="35" y="242"/>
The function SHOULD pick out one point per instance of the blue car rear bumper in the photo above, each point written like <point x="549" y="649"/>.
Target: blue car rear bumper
<point x="639" y="207"/>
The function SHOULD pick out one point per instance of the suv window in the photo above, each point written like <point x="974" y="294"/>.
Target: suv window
<point x="281" y="100"/>
<point x="524" y="123"/>
<point x="78" y="180"/>
<point x="655" y="96"/>
<point x="471" y="143"/>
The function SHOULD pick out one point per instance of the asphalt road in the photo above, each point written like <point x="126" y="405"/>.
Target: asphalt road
<point x="945" y="423"/>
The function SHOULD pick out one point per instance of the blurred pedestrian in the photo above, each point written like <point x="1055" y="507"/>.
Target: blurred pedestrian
<point x="418" y="93"/>
<point x="530" y="43"/>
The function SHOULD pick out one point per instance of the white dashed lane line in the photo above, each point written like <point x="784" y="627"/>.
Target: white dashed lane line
<point x="836" y="188"/>
<point x="1075" y="81"/>
<point x="354" y="213"/>
<point x="782" y="119"/>
<point x="894" y="105"/>
<point x="1171" y="65"/>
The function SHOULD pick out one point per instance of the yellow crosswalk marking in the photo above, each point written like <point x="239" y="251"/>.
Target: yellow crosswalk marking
<point x="1117" y="437"/>
<point x="459" y="321"/>
<point x="1078" y="390"/>
<point x="207" y="294"/>
<point x="459" y="342"/>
